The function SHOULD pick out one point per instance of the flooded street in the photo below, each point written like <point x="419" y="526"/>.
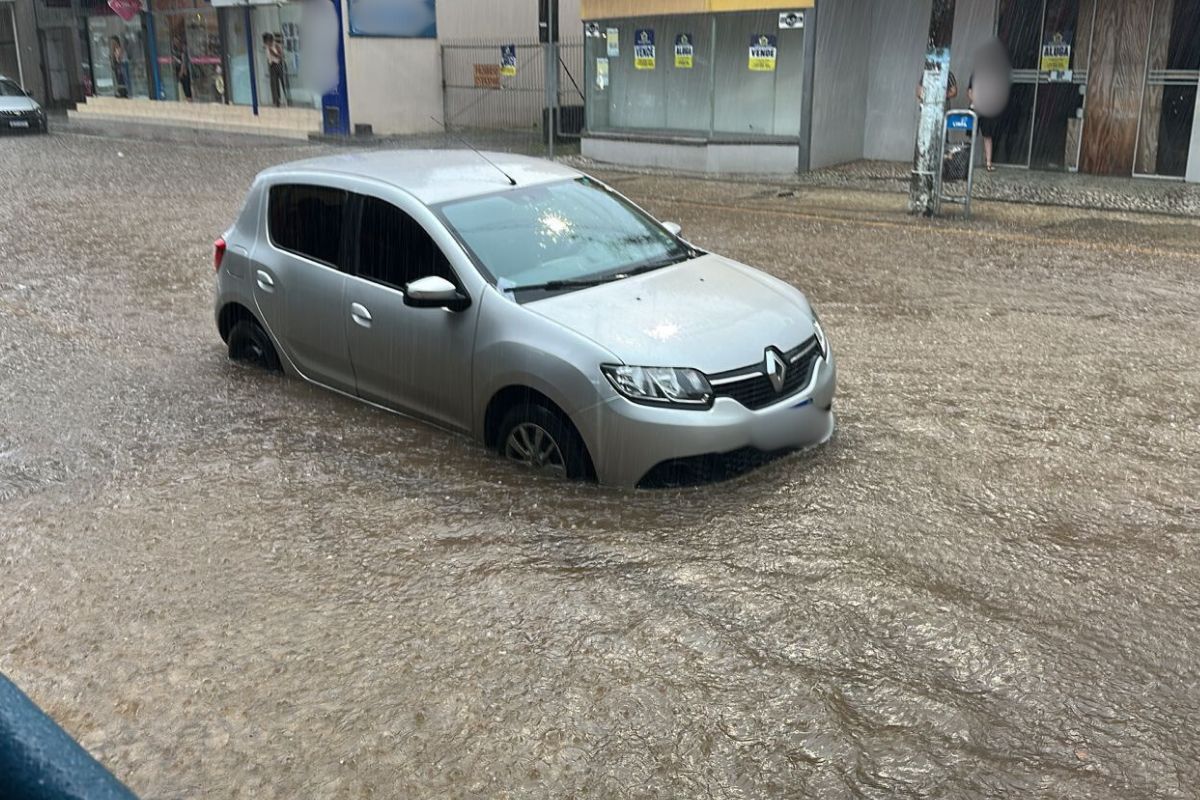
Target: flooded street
<point x="225" y="583"/>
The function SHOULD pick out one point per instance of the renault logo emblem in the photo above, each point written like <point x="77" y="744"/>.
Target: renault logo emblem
<point x="776" y="368"/>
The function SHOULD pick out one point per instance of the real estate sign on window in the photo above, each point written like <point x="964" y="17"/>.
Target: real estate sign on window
<point x="613" y="36"/>
<point x="685" y="51"/>
<point x="402" y="19"/>
<point x="643" y="48"/>
<point x="764" y="51"/>
<point x="1056" y="54"/>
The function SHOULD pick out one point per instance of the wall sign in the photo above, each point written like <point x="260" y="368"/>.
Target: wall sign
<point x="402" y="19"/>
<point x="643" y="48"/>
<point x="685" y="51"/>
<point x="764" y="52"/>
<point x="592" y="30"/>
<point x="613" y="35"/>
<point x="602" y="73"/>
<point x="508" y="60"/>
<point x="1056" y="57"/>
<point x="791" y="20"/>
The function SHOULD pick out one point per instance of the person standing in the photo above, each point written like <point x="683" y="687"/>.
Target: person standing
<point x="183" y="67"/>
<point x="274" y="66"/>
<point x="987" y="127"/>
<point x="119" y="61"/>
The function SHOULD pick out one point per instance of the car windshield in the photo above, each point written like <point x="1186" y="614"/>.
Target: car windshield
<point x="10" y="89"/>
<point x="573" y="232"/>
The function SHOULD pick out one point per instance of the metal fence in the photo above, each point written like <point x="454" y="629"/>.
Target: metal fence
<point x="479" y="94"/>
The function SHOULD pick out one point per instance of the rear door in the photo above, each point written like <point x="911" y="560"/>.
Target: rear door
<point x="300" y="282"/>
<point x="414" y="359"/>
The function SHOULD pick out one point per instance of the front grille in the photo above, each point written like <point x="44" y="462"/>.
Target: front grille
<point x="16" y="113"/>
<point x="755" y="391"/>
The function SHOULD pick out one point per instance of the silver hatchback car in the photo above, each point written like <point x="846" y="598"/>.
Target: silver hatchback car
<point x="522" y="303"/>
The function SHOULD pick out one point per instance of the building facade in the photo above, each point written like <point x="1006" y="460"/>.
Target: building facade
<point x="1104" y="87"/>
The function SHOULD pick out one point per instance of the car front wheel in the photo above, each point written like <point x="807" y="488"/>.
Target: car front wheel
<point x="542" y="440"/>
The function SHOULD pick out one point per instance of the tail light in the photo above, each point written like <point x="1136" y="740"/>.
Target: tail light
<point x="218" y="253"/>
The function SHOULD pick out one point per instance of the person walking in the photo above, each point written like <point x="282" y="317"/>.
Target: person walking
<point x="274" y="66"/>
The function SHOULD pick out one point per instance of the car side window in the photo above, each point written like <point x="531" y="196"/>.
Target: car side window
<point x="395" y="250"/>
<point x="307" y="220"/>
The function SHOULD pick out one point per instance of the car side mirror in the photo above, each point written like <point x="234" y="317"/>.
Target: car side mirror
<point x="435" y="292"/>
<point x="673" y="228"/>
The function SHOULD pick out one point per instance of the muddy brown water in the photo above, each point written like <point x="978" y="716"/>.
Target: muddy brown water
<point x="228" y="584"/>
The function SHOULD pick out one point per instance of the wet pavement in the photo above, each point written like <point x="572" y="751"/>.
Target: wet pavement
<point x="228" y="584"/>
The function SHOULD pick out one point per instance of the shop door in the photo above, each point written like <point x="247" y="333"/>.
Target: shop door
<point x="1172" y="82"/>
<point x="1049" y="44"/>
<point x="1066" y="43"/>
<point x="203" y="38"/>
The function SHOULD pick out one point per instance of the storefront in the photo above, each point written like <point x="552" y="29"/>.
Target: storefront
<point x="717" y="86"/>
<point x="10" y="50"/>
<point x="1105" y="87"/>
<point x="173" y="50"/>
<point x="1100" y="86"/>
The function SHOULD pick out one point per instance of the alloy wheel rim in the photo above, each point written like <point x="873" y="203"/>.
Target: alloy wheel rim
<point x="533" y="446"/>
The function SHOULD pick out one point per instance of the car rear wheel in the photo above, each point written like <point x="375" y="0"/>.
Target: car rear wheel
<point x="541" y="440"/>
<point x="249" y="343"/>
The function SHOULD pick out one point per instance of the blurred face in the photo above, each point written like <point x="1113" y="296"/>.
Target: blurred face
<point x="992" y="79"/>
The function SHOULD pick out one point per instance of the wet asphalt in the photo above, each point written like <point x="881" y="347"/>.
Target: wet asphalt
<point x="225" y="583"/>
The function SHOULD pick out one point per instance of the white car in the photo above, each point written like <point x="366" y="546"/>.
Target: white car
<point x="18" y="111"/>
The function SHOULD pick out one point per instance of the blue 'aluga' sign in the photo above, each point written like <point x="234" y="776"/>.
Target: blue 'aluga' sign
<point x="959" y="122"/>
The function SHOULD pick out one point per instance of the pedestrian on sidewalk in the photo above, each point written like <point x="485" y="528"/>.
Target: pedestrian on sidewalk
<point x="119" y="61"/>
<point x="274" y="66"/>
<point x="988" y="91"/>
<point x="183" y="67"/>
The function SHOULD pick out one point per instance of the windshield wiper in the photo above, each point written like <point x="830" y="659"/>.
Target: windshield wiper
<point x="554" y="286"/>
<point x="584" y="283"/>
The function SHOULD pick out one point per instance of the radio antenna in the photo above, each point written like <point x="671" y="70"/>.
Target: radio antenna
<point x="512" y="181"/>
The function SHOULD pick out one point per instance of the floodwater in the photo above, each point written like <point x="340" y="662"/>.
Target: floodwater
<point x="228" y="584"/>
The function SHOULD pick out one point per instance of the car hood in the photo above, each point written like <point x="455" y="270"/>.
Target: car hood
<point x="9" y="103"/>
<point x="710" y="313"/>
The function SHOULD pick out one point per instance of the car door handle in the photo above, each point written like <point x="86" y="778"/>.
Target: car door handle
<point x="265" y="281"/>
<point x="360" y="315"/>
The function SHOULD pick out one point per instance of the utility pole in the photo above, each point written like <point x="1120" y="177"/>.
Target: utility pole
<point x="548" y="33"/>
<point x="935" y="82"/>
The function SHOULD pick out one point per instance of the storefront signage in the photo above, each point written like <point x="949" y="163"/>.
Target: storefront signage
<point x="643" y="48"/>
<point x="1056" y="54"/>
<point x="791" y="20"/>
<point x="613" y="35"/>
<point x="508" y="60"/>
<point x="764" y="51"/>
<point x="402" y="19"/>
<point x="602" y="73"/>
<point x="685" y="51"/>
<point x="126" y="9"/>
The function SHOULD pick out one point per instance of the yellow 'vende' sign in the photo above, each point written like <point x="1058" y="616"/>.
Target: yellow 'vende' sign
<point x="643" y="48"/>
<point x="685" y="51"/>
<point x="764" y="52"/>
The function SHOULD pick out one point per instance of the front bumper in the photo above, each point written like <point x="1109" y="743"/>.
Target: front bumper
<point x="627" y="440"/>
<point x="23" y="122"/>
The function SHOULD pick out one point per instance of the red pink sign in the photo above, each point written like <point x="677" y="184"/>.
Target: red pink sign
<point x="126" y="9"/>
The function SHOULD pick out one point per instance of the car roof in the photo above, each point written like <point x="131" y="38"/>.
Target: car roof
<point x="435" y="176"/>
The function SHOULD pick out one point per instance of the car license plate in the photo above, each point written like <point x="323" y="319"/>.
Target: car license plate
<point x="18" y="123"/>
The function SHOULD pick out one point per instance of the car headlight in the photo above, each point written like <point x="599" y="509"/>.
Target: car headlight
<point x="822" y="342"/>
<point x="660" y="385"/>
